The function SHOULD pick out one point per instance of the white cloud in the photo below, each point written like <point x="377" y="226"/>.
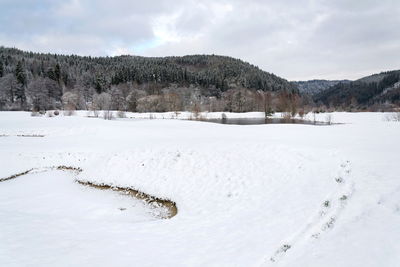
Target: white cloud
<point x="300" y="39"/>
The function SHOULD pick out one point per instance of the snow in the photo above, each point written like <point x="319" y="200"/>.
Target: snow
<point x="40" y="218"/>
<point x="242" y="192"/>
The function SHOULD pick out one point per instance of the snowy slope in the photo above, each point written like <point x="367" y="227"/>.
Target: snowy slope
<point x="260" y="195"/>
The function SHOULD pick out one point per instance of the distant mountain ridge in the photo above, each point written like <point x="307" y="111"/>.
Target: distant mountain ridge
<point x="377" y="89"/>
<point x="221" y="72"/>
<point x="313" y="87"/>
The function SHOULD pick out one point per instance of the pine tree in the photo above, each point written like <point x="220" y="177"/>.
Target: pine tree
<point x="51" y="74"/>
<point x="20" y="75"/>
<point x="57" y="73"/>
<point x="1" y="69"/>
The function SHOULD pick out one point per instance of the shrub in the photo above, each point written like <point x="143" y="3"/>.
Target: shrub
<point x="287" y="116"/>
<point x="396" y="116"/>
<point x="121" y="114"/>
<point x="196" y="110"/>
<point x="301" y="113"/>
<point x="69" y="112"/>
<point x="392" y="116"/>
<point x="71" y="101"/>
<point x="108" y="115"/>
<point x="328" y="119"/>
<point x="102" y="101"/>
<point x="49" y="114"/>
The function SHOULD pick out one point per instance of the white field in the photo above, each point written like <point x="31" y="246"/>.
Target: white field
<point x="261" y="195"/>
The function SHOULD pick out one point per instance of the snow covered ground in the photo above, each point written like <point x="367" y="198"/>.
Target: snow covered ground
<point x="254" y="195"/>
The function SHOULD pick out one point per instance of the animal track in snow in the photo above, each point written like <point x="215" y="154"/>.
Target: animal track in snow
<point x="326" y="218"/>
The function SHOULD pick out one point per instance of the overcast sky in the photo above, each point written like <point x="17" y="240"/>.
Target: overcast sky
<point x="295" y="39"/>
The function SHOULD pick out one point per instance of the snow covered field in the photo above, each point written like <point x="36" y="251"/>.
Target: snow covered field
<point x="254" y="195"/>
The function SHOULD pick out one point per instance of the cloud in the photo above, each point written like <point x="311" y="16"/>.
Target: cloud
<point x="300" y="39"/>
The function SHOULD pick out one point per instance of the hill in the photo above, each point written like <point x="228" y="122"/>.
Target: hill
<point x="313" y="87"/>
<point x="206" y="75"/>
<point x="377" y="90"/>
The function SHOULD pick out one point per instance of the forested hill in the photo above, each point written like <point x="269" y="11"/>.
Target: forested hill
<point x="374" y="90"/>
<point x="27" y="78"/>
<point x="313" y="87"/>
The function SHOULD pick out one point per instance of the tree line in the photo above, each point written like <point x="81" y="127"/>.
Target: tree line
<point x="375" y="92"/>
<point x="37" y="81"/>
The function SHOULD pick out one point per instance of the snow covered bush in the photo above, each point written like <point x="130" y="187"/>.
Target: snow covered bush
<point x="287" y="116"/>
<point x="49" y="114"/>
<point x="301" y="113"/>
<point x="396" y="116"/>
<point x="102" y="101"/>
<point x="153" y="103"/>
<point x="328" y="119"/>
<point x="108" y="115"/>
<point x="93" y="110"/>
<point x="72" y="101"/>
<point x="69" y="112"/>
<point x="121" y="114"/>
<point x="196" y="110"/>
<point x="392" y="116"/>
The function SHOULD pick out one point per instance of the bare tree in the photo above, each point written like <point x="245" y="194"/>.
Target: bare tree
<point x="283" y="102"/>
<point x="215" y="104"/>
<point x="267" y="104"/>
<point x="102" y="101"/>
<point x="131" y="101"/>
<point x="294" y="103"/>
<point x="196" y="110"/>
<point x="40" y="94"/>
<point x="85" y="93"/>
<point x="9" y="86"/>
<point x="153" y="103"/>
<point x="117" y="99"/>
<point x="301" y="113"/>
<point x="239" y="100"/>
<point x="108" y="115"/>
<point x="70" y="101"/>
<point x="173" y="102"/>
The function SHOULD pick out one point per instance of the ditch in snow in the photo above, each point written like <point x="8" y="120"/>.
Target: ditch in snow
<point x="54" y="190"/>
